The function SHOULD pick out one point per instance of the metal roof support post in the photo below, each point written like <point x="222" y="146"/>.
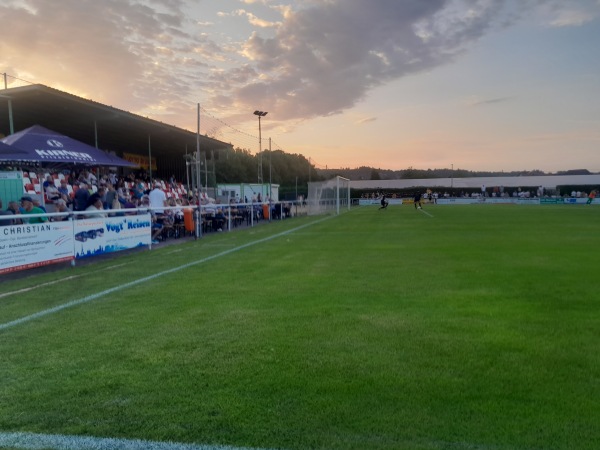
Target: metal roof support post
<point x="100" y="169"/>
<point x="10" y="117"/>
<point x="10" y="112"/>
<point x="198" y="178"/>
<point x="187" y="169"/>
<point x="205" y="172"/>
<point x="214" y="173"/>
<point x="150" y="157"/>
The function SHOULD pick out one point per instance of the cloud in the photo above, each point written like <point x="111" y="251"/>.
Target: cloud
<point x="489" y="101"/>
<point x="568" y="18"/>
<point x="93" y="47"/>
<point x="298" y="60"/>
<point x="148" y="56"/>
<point x="326" y="57"/>
<point x="254" y="20"/>
<point x="366" y="120"/>
<point x="557" y="13"/>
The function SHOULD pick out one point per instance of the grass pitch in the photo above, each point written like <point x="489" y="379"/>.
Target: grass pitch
<point x="474" y="327"/>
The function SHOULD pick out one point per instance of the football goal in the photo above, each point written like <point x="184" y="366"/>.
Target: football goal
<point x="328" y="197"/>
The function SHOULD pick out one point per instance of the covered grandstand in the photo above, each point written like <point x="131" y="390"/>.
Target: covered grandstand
<point x="103" y="127"/>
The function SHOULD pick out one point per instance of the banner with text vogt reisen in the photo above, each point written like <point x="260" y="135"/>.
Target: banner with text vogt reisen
<point x="111" y="234"/>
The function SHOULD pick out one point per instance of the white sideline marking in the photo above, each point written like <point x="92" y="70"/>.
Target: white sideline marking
<point x="20" y="291"/>
<point x="425" y="212"/>
<point x="89" y="298"/>
<point x="63" y="442"/>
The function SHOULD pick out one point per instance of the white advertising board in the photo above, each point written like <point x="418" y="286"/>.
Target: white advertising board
<point x="33" y="245"/>
<point x="111" y="234"/>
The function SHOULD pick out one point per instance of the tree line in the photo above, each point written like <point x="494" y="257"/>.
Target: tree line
<point x="292" y="171"/>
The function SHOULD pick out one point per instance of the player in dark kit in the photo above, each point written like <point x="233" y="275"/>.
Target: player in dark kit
<point x="384" y="202"/>
<point x="417" y="200"/>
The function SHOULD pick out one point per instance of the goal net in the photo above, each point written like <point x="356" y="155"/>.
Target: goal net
<point x="328" y="197"/>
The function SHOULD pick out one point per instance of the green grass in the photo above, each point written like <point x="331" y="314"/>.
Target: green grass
<point x="475" y="328"/>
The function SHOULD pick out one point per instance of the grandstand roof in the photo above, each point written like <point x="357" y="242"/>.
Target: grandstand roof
<point x="77" y="117"/>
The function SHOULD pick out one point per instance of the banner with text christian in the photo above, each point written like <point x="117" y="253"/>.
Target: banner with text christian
<point x="33" y="245"/>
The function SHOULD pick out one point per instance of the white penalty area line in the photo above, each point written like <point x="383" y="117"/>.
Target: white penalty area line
<point x="425" y="212"/>
<point x="89" y="298"/>
<point x="63" y="442"/>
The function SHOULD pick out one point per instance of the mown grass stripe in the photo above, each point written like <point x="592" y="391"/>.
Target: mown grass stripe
<point x="97" y="295"/>
<point x="50" y="283"/>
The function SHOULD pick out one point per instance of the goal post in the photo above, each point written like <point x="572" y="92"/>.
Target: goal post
<point x="328" y="197"/>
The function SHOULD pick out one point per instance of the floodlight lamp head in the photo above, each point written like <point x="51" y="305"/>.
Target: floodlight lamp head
<point x="260" y="113"/>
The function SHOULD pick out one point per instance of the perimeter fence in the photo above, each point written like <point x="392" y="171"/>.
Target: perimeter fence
<point x="34" y="240"/>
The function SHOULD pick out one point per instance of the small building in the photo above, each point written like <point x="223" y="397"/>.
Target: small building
<point x="246" y="191"/>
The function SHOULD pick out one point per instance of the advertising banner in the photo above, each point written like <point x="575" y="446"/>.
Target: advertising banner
<point x="550" y="201"/>
<point x="575" y="201"/>
<point x="457" y="201"/>
<point x="33" y="245"/>
<point x="374" y="201"/>
<point x="140" y="160"/>
<point x="111" y="234"/>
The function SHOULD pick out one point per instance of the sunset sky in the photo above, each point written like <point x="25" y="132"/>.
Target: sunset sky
<point x="474" y="84"/>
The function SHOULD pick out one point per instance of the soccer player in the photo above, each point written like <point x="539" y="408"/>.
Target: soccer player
<point x="417" y="200"/>
<point x="384" y="202"/>
<point x="591" y="197"/>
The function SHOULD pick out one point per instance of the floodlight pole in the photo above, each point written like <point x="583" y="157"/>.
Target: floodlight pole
<point x="198" y="174"/>
<point x="260" y="176"/>
<point x="198" y="179"/>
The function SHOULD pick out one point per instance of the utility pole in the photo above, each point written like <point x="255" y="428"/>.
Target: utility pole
<point x="260" y="173"/>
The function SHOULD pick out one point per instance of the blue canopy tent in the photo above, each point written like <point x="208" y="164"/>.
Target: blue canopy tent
<point x="40" y="145"/>
<point x="12" y="153"/>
